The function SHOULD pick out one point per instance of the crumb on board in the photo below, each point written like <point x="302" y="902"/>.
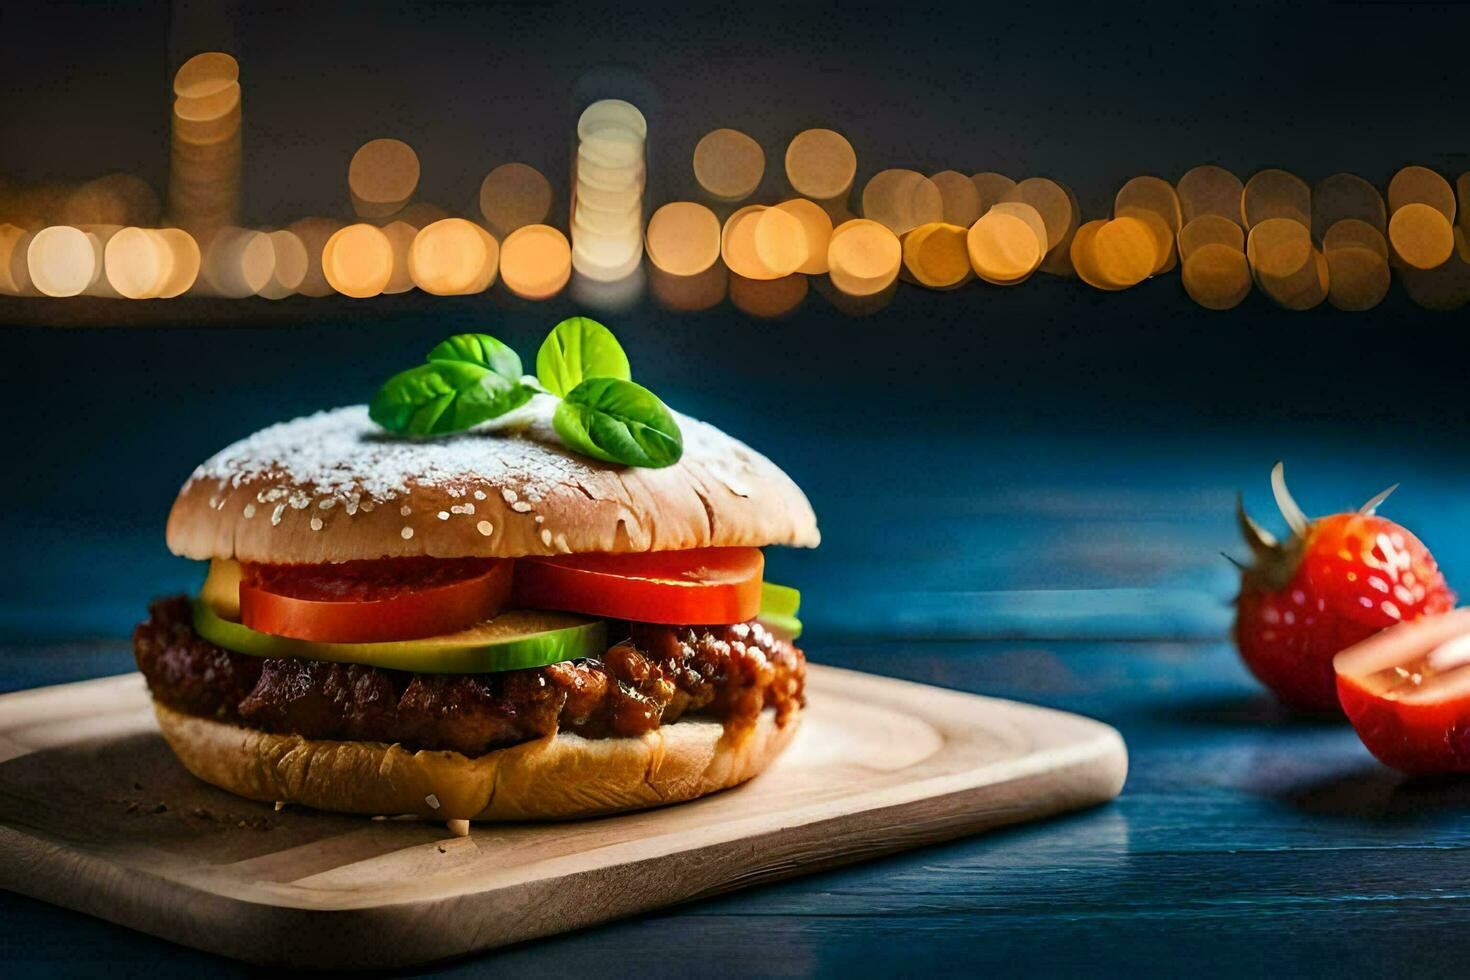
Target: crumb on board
<point x="459" y="828"/>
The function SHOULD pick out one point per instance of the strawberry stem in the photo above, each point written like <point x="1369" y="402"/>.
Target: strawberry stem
<point x="1371" y="507"/>
<point x="1296" y="518"/>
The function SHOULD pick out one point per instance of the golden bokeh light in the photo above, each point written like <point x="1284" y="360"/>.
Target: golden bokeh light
<point x="1153" y="201"/>
<point x="737" y="244"/>
<point x="1152" y="194"/>
<point x="535" y="262"/>
<point x="15" y="274"/>
<point x="816" y="228"/>
<point x="313" y="234"/>
<point x="512" y="196"/>
<point x="1125" y="251"/>
<point x="1278" y="248"/>
<point x="193" y="138"/>
<point x="606" y="260"/>
<point x="116" y="199"/>
<point x="1462" y="190"/>
<point x="607" y="198"/>
<point x="358" y="260"/>
<point x="209" y="108"/>
<point x="204" y="157"/>
<point x="611" y="115"/>
<point x="291" y="266"/>
<point x="1209" y="189"/>
<point x="1084" y="256"/>
<point x="1051" y="201"/>
<point x="683" y="238"/>
<point x="1420" y="185"/>
<point x="1216" y="275"/>
<point x="591" y="221"/>
<point x="1210" y="229"/>
<point x="64" y="261"/>
<point x="613" y="156"/>
<point x="595" y="198"/>
<point x="453" y="257"/>
<point x="184" y="260"/>
<point x="1353" y="233"/>
<point x="991" y="188"/>
<point x="1286" y="266"/>
<point x="206" y="74"/>
<point x="1165" y="258"/>
<point x="728" y="164"/>
<point x="235" y="262"/>
<point x="767" y="298"/>
<point x="959" y="196"/>
<point x="780" y="242"/>
<point x="902" y="200"/>
<point x="820" y="164"/>
<point x="595" y="168"/>
<point x="863" y="257"/>
<point x="1276" y="194"/>
<point x="137" y="262"/>
<point x="1346" y="196"/>
<point x="937" y="255"/>
<point x="1006" y="245"/>
<point x="1058" y="261"/>
<point x="382" y="176"/>
<point x="689" y="294"/>
<point x="1358" y="278"/>
<point x="1421" y="236"/>
<point x="1028" y="214"/>
<point x="400" y="235"/>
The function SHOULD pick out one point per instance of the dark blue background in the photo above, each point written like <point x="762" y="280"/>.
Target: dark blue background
<point x="1023" y="492"/>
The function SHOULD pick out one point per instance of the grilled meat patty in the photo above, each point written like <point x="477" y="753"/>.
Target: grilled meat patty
<point x="654" y="677"/>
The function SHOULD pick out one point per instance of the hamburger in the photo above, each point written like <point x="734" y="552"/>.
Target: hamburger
<point x="486" y="625"/>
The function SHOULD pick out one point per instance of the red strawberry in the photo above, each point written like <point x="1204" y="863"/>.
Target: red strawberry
<point x="1335" y="581"/>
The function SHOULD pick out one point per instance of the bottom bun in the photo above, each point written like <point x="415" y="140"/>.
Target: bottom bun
<point x="558" y="777"/>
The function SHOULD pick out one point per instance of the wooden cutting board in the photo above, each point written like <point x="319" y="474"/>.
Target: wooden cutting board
<point x="96" y="815"/>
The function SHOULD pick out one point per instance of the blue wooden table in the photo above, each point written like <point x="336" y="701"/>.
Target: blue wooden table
<point x="1040" y="563"/>
<point x="1004" y="536"/>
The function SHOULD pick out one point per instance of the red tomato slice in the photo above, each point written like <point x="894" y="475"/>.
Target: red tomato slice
<point x="701" y="586"/>
<point x="1407" y="692"/>
<point x="374" y="601"/>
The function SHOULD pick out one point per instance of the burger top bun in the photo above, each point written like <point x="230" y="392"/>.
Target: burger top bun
<point x="335" y="487"/>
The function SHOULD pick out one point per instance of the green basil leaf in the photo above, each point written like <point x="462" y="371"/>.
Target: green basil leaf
<point x="444" y="396"/>
<point x="618" y="421"/>
<point x="579" y="348"/>
<point x="481" y="349"/>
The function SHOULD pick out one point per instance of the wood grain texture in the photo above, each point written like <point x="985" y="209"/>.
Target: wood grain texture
<point x="95" y="815"/>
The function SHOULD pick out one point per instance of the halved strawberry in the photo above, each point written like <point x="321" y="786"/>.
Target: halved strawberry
<point x="1407" y="693"/>
<point x="1334" y="582"/>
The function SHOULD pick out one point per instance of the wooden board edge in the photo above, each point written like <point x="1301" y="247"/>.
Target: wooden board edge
<point x="411" y="935"/>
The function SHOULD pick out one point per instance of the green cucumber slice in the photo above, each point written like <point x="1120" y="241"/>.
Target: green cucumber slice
<point x="779" y="604"/>
<point x="788" y="625"/>
<point x="782" y="600"/>
<point x="513" y="640"/>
